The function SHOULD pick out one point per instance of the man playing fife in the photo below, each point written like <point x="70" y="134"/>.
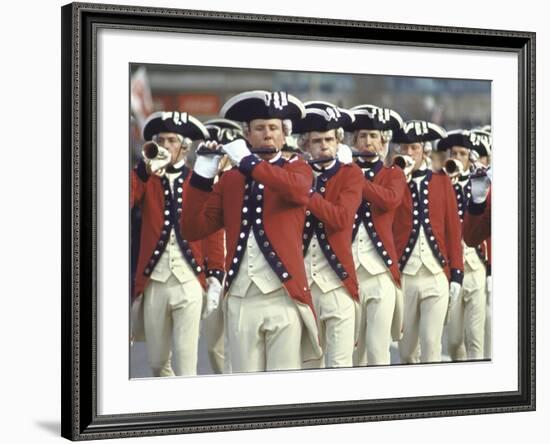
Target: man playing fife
<point x="334" y="198"/>
<point x="222" y="131"/>
<point x="261" y="203"/>
<point x="373" y="246"/>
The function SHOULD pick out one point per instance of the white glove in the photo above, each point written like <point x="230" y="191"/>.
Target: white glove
<point x="212" y="296"/>
<point x="480" y="187"/>
<point x="489" y="283"/>
<point x="236" y="151"/>
<point x="344" y="153"/>
<point x="158" y="164"/>
<point x="454" y="292"/>
<point x="207" y="166"/>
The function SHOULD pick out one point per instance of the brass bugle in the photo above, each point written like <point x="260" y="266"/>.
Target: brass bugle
<point x="452" y="167"/>
<point x="400" y="162"/>
<point x="150" y="150"/>
<point x="321" y="160"/>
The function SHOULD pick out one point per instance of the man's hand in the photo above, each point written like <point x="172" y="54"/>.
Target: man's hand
<point x="213" y="293"/>
<point x="236" y="151"/>
<point x="344" y="153"/>
<point x="207" y="165"/>
<point x="481" y="183"/>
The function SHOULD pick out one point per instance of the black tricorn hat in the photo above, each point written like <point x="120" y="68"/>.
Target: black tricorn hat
<point x="484" y="128"/>
<point x="483" y="141"/>
<point x="464" y="138"/>
<point x="174" y="122"/>
<point x="251" y="105"/>
<point x="322" y="116"/>
<point x="418" y="131"/>
<point x="371" y="117"/>
<point x="458" y="137"/>
<point x="224" y="130"/>
<point x="485" y="138"/>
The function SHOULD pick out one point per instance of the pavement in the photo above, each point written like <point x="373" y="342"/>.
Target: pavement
<point x="140" y="369"/>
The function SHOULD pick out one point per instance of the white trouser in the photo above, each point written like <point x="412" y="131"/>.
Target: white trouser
<point x="426" y="300"/>
<point x="212" y="329"/>
<point x="336" y="312"/>
<point x="167" y="370"/>
<point x="264" y="331"/>
<point x="488" y="344"/>
<point x="172" y="313"/>
<point x="377" y="299"/>
<point x="466" y="324"/>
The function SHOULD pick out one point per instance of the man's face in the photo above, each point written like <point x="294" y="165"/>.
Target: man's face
<point x="369" y="141"/>
<point x="266" y="133"/>
<point x="171" y="142"/>
<point x="414" y="151"/>
<point x="484" y="160"/>
<point x="322" y="144"/>
<point x="462" y="155"/>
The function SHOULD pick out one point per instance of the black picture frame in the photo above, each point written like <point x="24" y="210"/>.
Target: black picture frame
<point x="80" y="22"/>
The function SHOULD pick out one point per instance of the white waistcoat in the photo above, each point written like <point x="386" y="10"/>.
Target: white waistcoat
<point x="422" y="253"/>
<point x="172" y="260"/>
<point x="254" y="268"/>
<point x="365" y="254"/>
<point x="318" y="269"/>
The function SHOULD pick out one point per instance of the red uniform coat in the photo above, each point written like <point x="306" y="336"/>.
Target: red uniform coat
<point x="464" y="199"/>
<point x="383" y="191"/>
<point x="334" y="204"/>
<point x="477" y="223"/>
<point x="285" y="189"/>
<point x="267" y="201"/>
<point x="437" y="212"/>
<point x="155" y="199"/>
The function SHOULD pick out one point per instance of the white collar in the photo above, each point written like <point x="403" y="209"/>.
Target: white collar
<point x="180" y="163"/>
<point x="276" y="158"/>
<point x="176" y="165"/>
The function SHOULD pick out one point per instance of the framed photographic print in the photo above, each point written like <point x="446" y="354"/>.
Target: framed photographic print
<point x="144" y="88"/>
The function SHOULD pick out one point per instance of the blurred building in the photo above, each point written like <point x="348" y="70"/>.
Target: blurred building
<point x="201" y="91"/>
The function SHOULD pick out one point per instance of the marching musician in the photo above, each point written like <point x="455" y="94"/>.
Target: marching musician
<point x="374" y="252"/>
<point x="261" y="204"/>
<point x="427" y="236"/>
<point x="221" y="131"/>
<point x="334" y="198"/>
<point x="477" y="229"/>
<point x="170" y="273"/>
<point x="466" y="320"/>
